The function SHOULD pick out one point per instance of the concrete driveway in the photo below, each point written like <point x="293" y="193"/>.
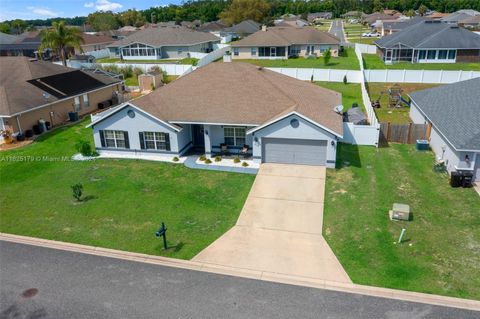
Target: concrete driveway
<point x="280" y="227"/>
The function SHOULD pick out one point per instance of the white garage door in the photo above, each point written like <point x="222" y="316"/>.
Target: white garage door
<point x="294" y="151"/>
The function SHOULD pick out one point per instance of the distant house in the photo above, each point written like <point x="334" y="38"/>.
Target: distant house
<point x="453" y="115"/>
<point x="315" y="16"/>
<point x="94" y="42"/>
<point x="353" y="15"/>
<point x="471" y="23"/>
<point x="460" y="15"/>
<point x="40" y="90"/>
<point x="285" y="42"/>
<point x="26" y="44"/>
<point x="390" y="27"/>
<point x="242" y="29"/>
<point x="437" y="15"/>
<point x="296" y="23"/>
<point x="163" y="43"/>
<point x="370" y="19"/>
<point x="430" y="42"/>
<point x="216" y="28"/>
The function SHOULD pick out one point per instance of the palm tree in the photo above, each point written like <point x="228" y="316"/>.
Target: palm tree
<point x="60" y="39"/>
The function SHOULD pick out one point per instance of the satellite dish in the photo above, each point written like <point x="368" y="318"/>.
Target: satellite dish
<point x="338" y="109"/>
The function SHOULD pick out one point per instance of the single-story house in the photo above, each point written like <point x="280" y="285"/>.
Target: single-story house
<point x="35" y="90"/>
<point x="460" y="15"/>
<point x="390" y="27"/>
<point x="242" y="29"/>
<point x="313" y="17"/>
<point x="26" y="44"/>
<point x="163" y="43"/>
<point x="294" y="23"/>
<point x="452" y="112"/>
<point x="216" y="28"/>
<point x="354" y="15"/>
<point x="279" y="119"/>
<point x="471" y="23"/>
<point x="94" y="42"/>
<point x="370" y="19"/>
<point x="430" y="42"/>
<point x="285" y="42"/>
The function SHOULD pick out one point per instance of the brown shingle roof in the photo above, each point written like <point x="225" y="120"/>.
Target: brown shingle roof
<point x="166" y="36"/>
<point x="283" y="36"/>
<point x="18" y="95"/>
<point x="96" y="38"/>
<point x="240" y="93"/>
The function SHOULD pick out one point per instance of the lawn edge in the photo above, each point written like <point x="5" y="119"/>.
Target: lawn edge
<point x="247" y="273"/>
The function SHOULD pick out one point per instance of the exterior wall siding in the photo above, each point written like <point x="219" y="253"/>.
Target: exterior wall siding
<point x="416" y="116"/>
<point x="471" y="56"/>
<point x="245" y="52"/>
<point x="305" y="131"/>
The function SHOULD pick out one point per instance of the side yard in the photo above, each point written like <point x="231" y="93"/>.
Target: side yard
<point x="441" y="252"/>
<point x="125" y="200"/>
<point x="351" y="92"/>
<point x="372" y="61"/>
<point x="379" y="91"/>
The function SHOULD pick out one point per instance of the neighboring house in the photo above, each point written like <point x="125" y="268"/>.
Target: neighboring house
<point x="285" y="42"/>
<point x="430" y="42"/>
<point x="216" y="28"/>
<point x="163" y="43"/>
<point x="453" y="114"/>
<point x="94" y="42"/>
<point x="34" y="90"/>
<point x="370" y="19"/>
<point x="242" y="29"/>
<point x="27" y="44"/>
<point x="437" y="15"/>
<point x="82" y="58"/>
<point x="354" y="15"/>
<point x="280" y="119"/>
<point x="460" y="15"/>
<point x="390" y="27"/>
<point x="314" y="17"/>
<point x="471" y="23"/>
<point x="191" y="24"/>
<point x="295" y="23"/>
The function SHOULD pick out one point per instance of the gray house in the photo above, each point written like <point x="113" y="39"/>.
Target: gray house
<point x="453" y="114"/>
<point x="163" y="43"/>
<point x="279" y="119"/>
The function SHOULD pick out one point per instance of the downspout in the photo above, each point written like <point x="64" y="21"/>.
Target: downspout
<point x="18" y="124"/>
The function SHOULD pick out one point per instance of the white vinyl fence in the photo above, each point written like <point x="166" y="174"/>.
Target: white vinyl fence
<point x="366" y="48"/>
<point x="98" y="54"/>
<point x="329" y="75"/>
<point x="419" y="76"/>
<point x="170" y="68"/>
<point x="212" y="56"/>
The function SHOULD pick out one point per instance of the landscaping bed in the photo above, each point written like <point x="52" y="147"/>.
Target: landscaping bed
<point x="124" y="201"/>
<point x="373" y="61"/>
<point x="441" y="252"/>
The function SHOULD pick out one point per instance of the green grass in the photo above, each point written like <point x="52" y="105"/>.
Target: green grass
<point x="444" y="255"/>
<point x="189" y="61"/>
<point x="372" y="61"/>
<point x="131" y="81"/>
<point x="363" y="40"/>
<point x="351" y="92"/>
<point x="353" y="32"/>
<point x="346" y="62"/>
<point x="393" y="115"/>
<point x="128" y="198"/>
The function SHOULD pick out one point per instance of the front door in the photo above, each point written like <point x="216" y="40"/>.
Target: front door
<point x="198" y="137"/>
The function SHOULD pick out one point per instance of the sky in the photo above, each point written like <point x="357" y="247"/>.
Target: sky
<point x="43" y="9"/>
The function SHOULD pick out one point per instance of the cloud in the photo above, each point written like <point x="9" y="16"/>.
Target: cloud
<point x="103" y="5"/>
<point x="43" y="12"/>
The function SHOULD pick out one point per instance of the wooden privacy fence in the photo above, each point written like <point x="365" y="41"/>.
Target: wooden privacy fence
<point x="403" y="133"/>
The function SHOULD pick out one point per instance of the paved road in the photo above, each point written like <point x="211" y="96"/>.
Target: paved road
<point x="74" y="285"/>
<point x="337" y="30"/>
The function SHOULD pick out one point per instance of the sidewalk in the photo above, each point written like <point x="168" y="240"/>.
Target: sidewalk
<point x="246" y="273"/>
<point x="190" y="162"/>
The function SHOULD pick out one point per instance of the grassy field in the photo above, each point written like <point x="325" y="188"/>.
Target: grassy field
<point x="346" y="62"/>
<point x="325" y="26"/>
<point x="353" y="32"/>
<point x="191" y="61"/>
<point x="351" y="92"/>
<point x="126" y="200"/>
<point x="441" y="252"/>
<point x="393" y="115"/>
<point x="372" y="61"/>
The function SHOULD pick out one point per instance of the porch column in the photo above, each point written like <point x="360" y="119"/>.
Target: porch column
<point x="18" y="124"/>
<point x="286" y="52"/>
<point x="208" y="144"/>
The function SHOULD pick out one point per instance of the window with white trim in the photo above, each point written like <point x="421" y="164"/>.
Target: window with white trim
<point x="253" y="51"/>
<point x="76" y="103"/>
<point x="431" y="54"/>
<point x="114" y="139"/>
<point x="442" y="54"/>
<point x="155" y="141"/>
<point x="236" y="52"/>
<point x="452" y="54"/>
<point x="86" y="102"/>
<point x="234" y="136"/>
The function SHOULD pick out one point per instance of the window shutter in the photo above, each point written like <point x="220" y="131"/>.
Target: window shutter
<point x="127" y="142"/>
<point x="167" y="141"/>
<point x="102" y="138"/>
<point x="142" y="140"/>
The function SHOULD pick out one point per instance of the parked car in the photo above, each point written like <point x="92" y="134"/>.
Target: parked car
<point x="371" y="35"/>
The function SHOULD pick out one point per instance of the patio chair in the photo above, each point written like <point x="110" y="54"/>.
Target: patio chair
<point x="223" y="149"/>
<point x="244" y="150"/>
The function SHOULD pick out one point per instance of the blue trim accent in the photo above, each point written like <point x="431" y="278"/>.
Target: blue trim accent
<point x="134" y="151"/>
<point x="186" y="147"/>
<point x="331" y="162"/>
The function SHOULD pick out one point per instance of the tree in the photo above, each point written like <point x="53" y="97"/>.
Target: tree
<point x="4" y="27"/>
<point x="103" y="20"/>
<point x="131" y="17"/>
<point x="378" y="6"/>
<point x="410" y="13"/>
<point x="240" y="10"/>
<point x="77" y="191"/>
<point x="18" y="25"/>
<point x="326" y="56"/>
<point x="422" y="10"/>
<point x="60" y="38"/>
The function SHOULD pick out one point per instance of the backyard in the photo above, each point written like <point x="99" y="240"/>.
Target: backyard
<point x="348" y="61"/>
<point x="189" y="61"/>
<point x="394" y="115"/>
<point x="441" y="251"/>
<point x="124" y="200"/>
<point x="373" y="61"/>
<point x="133" y="80"/>
<point x="351" y="92"/>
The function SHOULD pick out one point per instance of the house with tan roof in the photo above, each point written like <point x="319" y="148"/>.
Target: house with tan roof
<point x="284" y="43"/>
<point x="275" y="117"/>
<point x="155" y="43"/>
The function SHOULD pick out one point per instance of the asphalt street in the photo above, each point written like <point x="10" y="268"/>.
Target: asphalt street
<point x="40" y="282"/>
<point x="337" y="30"/>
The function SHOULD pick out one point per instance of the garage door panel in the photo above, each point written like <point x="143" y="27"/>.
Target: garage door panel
<point x="294" y="151"/>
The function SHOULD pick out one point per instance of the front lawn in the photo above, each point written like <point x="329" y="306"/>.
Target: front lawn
<point x="372" y="61"/>
<point x="441" y="252"/>
<point x="188" y="61"/>
<point x="125" y="200"/>
<point x="379" y="91"/>
<point x="348" y="61"/>
<point x="351" y="93"/>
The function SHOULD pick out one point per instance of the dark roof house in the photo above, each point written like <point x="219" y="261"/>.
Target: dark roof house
<point x="243" y="28"/>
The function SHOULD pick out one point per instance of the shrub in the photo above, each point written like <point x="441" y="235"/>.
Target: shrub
<point x="236" y="160"/>
<point x="244" y="164"/>
<point x="345" y="81"/>
<point x="77" y="190"/>
<point x="175" y="159"/>
<point x="202" y="158"/>
<point x="326" y="56"/>
<point x="208" y="161"/>
<point x="137" y="71"/>
<point x="218" y="158"/>
<point x="84" y="148"/>
<point x="127" y="71"/>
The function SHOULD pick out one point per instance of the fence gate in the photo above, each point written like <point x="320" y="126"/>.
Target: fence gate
<point x="402" y="133"/>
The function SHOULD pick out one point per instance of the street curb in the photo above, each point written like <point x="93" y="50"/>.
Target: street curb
<point x="249" y="273"/>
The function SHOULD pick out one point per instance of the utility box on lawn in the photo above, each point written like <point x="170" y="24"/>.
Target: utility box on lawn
<point x="400" y="212"/>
